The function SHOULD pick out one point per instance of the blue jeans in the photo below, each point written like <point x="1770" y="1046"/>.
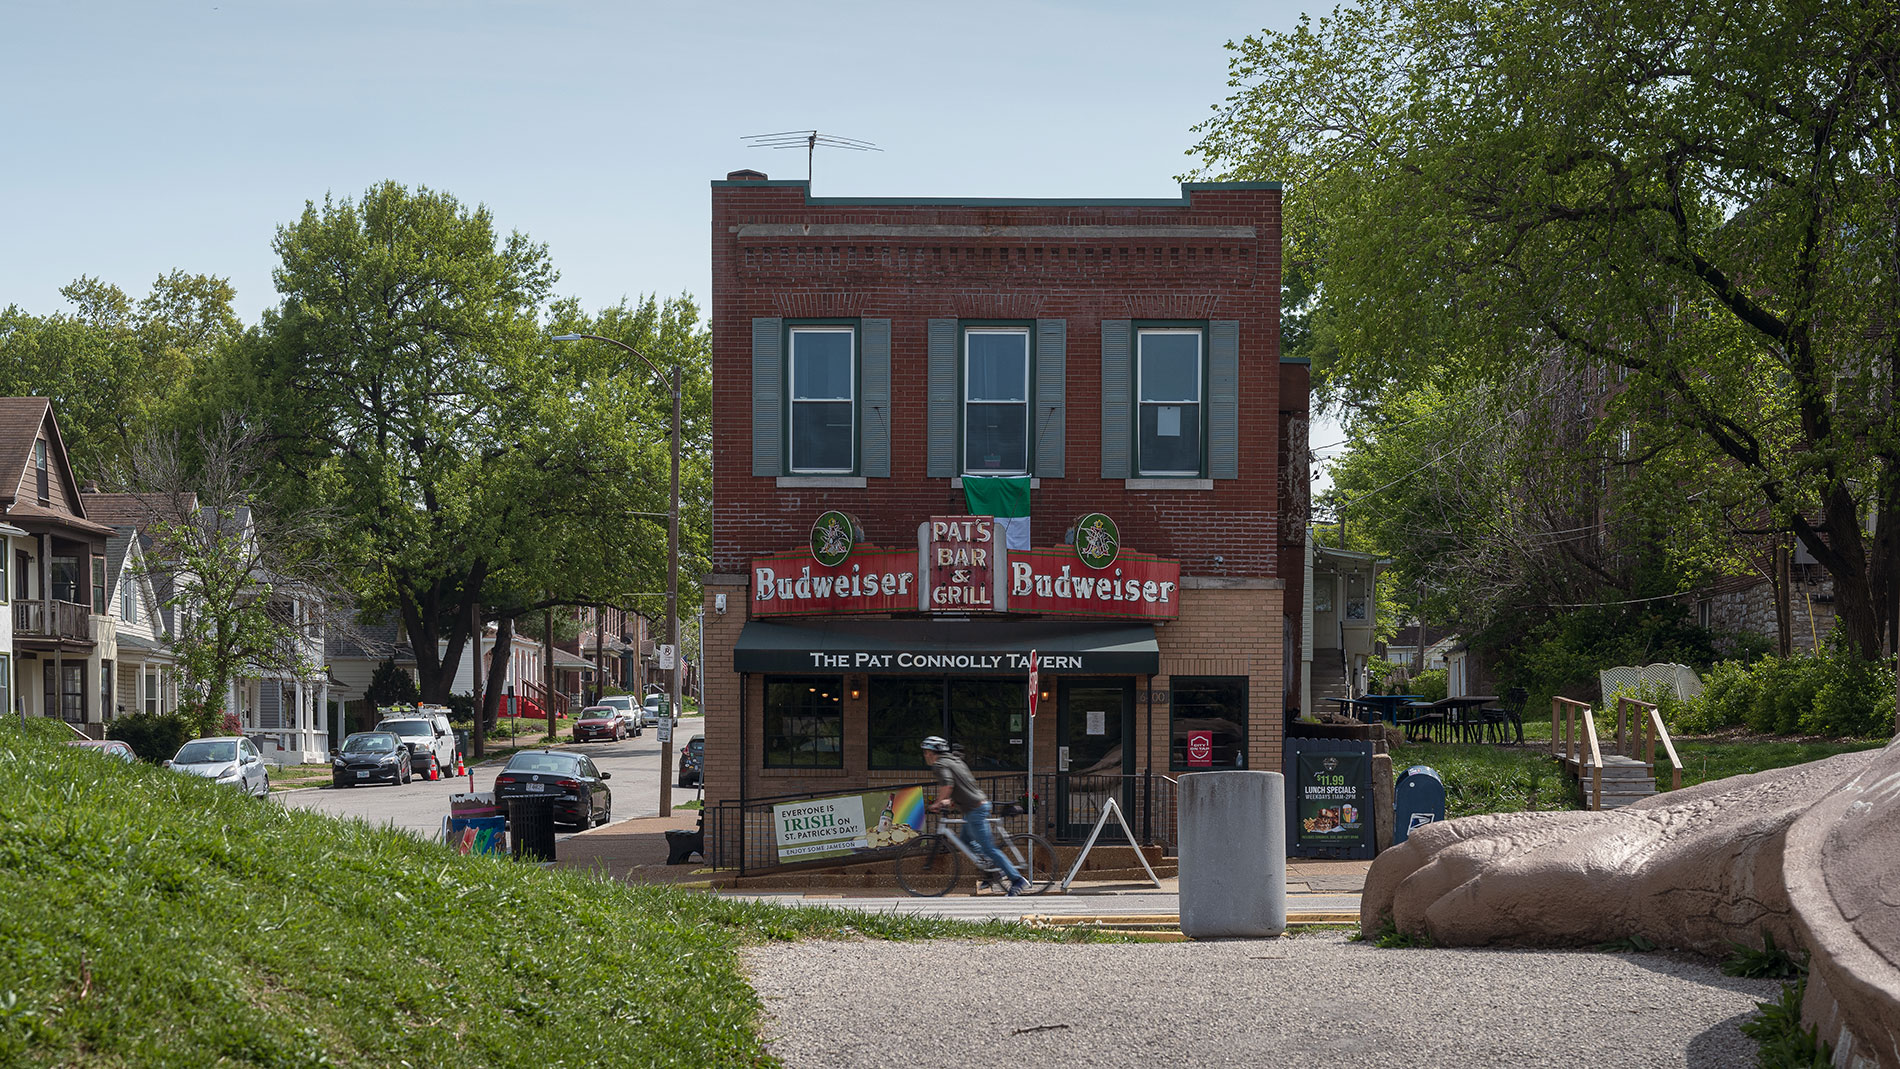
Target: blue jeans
<point x="976" y="832"/>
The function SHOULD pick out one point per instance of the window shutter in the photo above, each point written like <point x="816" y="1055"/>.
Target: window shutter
<point x="1052" y="353"/>
<point x="874" y="405"/>
<point x="941" y="448"/>
<point x="270" y="709"/>
<point x="1223" y="397"/>
<point x="1118" y="378"/>
<point x="768" y="396"/>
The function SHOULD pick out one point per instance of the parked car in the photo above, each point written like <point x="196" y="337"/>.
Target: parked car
<point x="431" y="740"/>
<point x="630" y="712"/>
<point x="232" y="759"/>
<point x="579" y="790"/>
<point x="599" y="722"/>
<point x="650" y="711"/>
<point x="108" y="747"/>
<point x="693" y="761"/>
<point x="370" y="757"/>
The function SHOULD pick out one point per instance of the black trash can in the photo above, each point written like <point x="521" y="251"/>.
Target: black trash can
<point x="531" y="828"/>
<point x="464" y="745"/>
<point x="1419" y="800"/>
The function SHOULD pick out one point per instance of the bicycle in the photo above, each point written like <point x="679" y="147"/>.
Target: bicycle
<point x="931" y="864"/>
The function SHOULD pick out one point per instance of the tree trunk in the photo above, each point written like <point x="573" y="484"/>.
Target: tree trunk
<point x="498" y="671"/>
<point x="438" y="650"/>
<point x="1784" y="611"/>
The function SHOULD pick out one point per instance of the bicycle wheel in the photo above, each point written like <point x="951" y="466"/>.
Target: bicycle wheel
<point x="1036" y="860"/>
<point x="929" y="866"/>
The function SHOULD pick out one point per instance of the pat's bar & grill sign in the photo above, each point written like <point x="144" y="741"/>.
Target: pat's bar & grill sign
<point x="961" y="565"/>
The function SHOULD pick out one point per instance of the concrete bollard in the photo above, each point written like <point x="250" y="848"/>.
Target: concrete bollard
<point x="1233" y="855"/>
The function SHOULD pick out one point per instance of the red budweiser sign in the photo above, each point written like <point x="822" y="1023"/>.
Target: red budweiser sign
<point x="869" y="580"/>
<point x="1054" y="581"/>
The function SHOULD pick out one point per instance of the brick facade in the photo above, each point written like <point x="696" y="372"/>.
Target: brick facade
<point x="1213" y="255"/>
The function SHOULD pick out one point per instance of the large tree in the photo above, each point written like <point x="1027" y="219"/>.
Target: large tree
<point x="409" y="383"/>
<point x="1698" y="202"/>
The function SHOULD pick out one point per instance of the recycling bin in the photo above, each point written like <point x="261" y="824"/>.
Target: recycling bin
<point x="531" y="828"/>
<point x="1418" y="800"/>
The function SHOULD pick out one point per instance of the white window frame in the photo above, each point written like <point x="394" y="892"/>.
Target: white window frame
<point x="792" y="400"/>
<point x="128" y="594"/>
<point x="1199" y="334"/>
<point x="963" y="436"/>
<point x="149" y="681"/>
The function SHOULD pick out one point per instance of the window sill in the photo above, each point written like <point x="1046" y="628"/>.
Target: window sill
<point x="1167" y="484"/>
<point x="821" y="482"/>
<point x="956" y="482"/>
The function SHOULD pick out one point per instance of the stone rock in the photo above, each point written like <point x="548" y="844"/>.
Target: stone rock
<point x="1809" y="855"/>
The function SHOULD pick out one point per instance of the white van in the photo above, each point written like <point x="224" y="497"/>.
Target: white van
<point x="425" y="729"/>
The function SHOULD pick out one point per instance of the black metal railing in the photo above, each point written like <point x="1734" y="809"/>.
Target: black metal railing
<point x="740" y="835"/>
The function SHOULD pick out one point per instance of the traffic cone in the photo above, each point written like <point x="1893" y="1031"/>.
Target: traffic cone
<point x="460" y="771"/>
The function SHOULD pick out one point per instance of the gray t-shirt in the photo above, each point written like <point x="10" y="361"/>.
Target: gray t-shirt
<point x="963" y="789"/>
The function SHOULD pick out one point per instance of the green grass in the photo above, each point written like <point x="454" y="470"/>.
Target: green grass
<point x="1483" y="778"/>
<point x="154" y="919"/>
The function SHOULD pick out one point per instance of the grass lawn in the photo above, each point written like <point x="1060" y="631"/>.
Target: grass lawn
<point x="156" y="919"/>
<point x="1482" y="778"/>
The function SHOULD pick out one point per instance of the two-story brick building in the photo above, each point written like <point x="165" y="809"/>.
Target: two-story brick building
<point x="1121" y="359"/>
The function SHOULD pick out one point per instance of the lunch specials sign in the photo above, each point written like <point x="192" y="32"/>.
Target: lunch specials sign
<point x="961" y="565"/>
<point x="818" y="828"/>
<point x="1331" y="805"/>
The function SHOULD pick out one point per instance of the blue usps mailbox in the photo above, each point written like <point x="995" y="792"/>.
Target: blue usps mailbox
<point x="1419" y="800"/>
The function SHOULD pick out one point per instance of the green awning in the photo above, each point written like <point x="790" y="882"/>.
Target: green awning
<point x="946" y="647"/>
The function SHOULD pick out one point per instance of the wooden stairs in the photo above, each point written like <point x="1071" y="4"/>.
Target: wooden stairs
<point x="1612" y="774"/>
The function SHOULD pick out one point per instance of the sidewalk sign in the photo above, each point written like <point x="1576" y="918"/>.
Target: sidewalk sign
<point x="1115" y="810"/>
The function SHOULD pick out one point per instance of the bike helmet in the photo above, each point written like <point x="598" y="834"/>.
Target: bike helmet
<point x="936" y="744"/>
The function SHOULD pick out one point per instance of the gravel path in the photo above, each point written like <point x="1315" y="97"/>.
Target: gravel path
<point x="1315" y="1000"/>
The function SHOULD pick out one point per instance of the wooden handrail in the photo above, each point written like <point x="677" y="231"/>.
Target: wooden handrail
<point x="1653" y="730"/>
<point x="1572" y="711"/>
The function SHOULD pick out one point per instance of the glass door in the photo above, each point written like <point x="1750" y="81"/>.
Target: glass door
<point x="1093" y="761"/>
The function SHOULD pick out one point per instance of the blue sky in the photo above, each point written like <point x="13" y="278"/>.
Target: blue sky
<point x="148" y="135"/>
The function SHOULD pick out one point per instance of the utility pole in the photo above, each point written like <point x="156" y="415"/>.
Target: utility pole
<point x="600" y="652"/>
<point x="547" y="669"/>
<point x="475" y="676"/>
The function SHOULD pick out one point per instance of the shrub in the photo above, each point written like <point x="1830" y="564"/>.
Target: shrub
<point x="1855" y="697"/>
<point x="153" y="736"/>
<point x="391" y="686"/>
<point x="1430" y="685"/>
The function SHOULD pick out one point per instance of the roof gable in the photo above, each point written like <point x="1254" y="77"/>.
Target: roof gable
<point x="24" y="420"/>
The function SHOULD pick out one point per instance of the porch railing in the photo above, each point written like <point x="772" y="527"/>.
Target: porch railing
<point x="741" y="836"/>
<point x="52" y="619"/>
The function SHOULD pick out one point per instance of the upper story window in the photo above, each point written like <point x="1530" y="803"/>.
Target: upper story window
<point x="1169" y="370"/>
<point x="823" y="362"/>
<point x="128" y="597"/>
<point x="99" y="585"/>
<point x="996" y="400"/>
<point x="39" y="471"/>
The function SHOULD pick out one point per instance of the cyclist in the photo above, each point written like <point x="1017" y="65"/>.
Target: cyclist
<point x="958" y="788"/>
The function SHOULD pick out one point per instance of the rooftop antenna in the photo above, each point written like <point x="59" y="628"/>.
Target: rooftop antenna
<point x="809" y="140"/>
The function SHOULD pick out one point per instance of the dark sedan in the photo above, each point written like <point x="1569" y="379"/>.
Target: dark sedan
<point x="370" y="757"/>
<point x="693" y="761"/>
<point x="579" y="790"/>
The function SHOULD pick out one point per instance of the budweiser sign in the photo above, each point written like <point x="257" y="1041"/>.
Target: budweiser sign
<point x="866" y="580"/>
<point x="1137" y="584"/>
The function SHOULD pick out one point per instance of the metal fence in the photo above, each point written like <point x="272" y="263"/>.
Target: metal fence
<point x="741" y="836"/>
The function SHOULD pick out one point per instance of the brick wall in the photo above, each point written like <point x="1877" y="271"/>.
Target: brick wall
<point x="773" y="257"/>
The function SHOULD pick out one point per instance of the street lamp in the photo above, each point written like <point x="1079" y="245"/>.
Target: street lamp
<point x="672" y="568"/>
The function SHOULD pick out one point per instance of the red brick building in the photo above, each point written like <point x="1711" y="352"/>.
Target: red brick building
<point x="868" y="356"/>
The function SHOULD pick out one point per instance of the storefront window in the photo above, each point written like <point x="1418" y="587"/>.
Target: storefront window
<point x="982" y="716"/>
<point x="903" y="712"/>
<point x="1216" y="705"/>
<point x="804" y="722"/>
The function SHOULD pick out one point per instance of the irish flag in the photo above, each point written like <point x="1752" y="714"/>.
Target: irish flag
<point x="1005" y="497"/>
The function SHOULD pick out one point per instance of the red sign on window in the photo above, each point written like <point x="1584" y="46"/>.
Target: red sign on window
<point x="1200" y="749"/>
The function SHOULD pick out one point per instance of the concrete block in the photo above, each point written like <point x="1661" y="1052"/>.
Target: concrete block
<point x="1233" y="854"/>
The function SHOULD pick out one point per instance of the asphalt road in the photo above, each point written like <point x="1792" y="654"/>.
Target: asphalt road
<point x="419" y="806"/>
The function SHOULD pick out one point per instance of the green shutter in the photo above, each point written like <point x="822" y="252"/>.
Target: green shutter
<point x="1223" y="399"/>
<point x="1052" y="349"/>
<point x="874" y="404"/>
<point x="1118" y="377"/>
<point x="768" y="396"/>
<point x="941" y="446"/>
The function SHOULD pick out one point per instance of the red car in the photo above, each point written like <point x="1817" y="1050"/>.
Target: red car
<point x="600" y="722"/>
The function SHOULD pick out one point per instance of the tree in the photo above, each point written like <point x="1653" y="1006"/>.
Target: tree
<point x="1699" y="200"/>
<point x="114" y="370"/>
<point x="410" y="385"/>
<point x="246" y="594"/>
<point x="390" y="685"/>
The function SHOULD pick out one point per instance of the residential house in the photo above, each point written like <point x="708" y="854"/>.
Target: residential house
<point x="60" y="656"/>
<point x="138" y="597"/>
<point x="1342" y="610"/>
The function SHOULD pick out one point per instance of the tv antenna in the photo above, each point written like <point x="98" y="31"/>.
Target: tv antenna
<point x="809" y="140"/>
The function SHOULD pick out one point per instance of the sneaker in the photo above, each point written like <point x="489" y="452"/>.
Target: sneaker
<point x="1018" y="887"/>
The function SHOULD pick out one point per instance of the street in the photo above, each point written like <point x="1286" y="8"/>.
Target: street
<point x="419" y="806"/>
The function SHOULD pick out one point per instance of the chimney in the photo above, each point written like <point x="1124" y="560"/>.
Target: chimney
<point x="747" y="175"/>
